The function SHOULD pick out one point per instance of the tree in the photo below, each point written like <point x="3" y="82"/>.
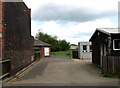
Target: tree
<point x="57" y="45"/>
<point x="64" y="45"/>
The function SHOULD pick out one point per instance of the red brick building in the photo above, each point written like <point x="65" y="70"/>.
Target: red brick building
<point x="17" y="44"/>
<point x="41" y="49"/>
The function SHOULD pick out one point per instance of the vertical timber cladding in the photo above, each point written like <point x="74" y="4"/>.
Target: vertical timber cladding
<point x="18" y="46"/>
<point x="99" y="39"/>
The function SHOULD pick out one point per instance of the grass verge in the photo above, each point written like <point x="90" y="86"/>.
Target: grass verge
<point x="61" y="53"/>
<point x="112" y="75"/>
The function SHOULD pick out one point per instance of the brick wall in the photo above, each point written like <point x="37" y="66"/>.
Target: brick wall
<point x="0" y="12"/>
<point x="42" y="52"/>
<point x="0" y="46"/>
<point x="0" y="29"/>
<point x="18" y="41"/>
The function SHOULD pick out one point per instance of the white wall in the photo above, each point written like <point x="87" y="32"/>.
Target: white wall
<point x="46" y="51"/>
<point x="87" y="54"/>
<point x="73" y="47"/>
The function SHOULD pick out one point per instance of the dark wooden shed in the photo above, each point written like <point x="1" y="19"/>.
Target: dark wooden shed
<point x="105" y="42"/>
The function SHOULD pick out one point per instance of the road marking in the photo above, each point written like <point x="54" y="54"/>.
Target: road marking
<point x="21" y="73"/>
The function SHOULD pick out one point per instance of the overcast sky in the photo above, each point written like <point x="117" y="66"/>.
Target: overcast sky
<point x="73" y="20"/>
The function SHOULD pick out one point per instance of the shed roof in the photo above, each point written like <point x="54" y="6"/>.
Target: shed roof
<point x="107" y="31"/>
<point x="40" y="43"/>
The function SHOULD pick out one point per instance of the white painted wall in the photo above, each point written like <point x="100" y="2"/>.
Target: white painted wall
<point x="46" y="51"/>
<point x="84" y="54"/>
<point x="73" y="47"/>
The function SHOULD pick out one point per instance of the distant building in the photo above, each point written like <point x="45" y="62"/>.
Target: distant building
<point x="105" y="42"/>
<point x="74" y="50"/>
<point x="41" y="49"/>
<point x="16" y="42"/>
<point x="73" y="47"/>
<point x="85" y="50"/>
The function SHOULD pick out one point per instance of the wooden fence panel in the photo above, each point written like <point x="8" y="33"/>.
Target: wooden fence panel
<point x="110" y="64"/>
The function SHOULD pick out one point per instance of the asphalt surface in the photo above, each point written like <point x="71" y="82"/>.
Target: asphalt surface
<point x="57" y="71"/>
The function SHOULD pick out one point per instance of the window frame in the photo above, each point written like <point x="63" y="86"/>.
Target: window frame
<point x="83" y="48"/>
<point x="114" y="44"/>
<point x="90" y="48"/>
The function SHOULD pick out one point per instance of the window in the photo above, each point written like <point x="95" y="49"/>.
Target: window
<point x="116" y="44"/>
<point x="90" y="48"/>
<point x="84" y="48"/>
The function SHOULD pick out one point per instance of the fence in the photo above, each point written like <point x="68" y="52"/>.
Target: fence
<point x="75" y="54"/>
<point x="4" y="68"/>
<point x="111" y="64"/>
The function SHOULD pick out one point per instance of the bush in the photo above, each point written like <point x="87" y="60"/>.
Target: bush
<point x="112" y="75"/>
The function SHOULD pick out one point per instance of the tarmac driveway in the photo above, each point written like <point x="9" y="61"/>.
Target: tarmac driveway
<point x="64" y="71"/>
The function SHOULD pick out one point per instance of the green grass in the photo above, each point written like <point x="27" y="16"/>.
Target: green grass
<point x="112" y="75"/>
<point x="61" y="53"/>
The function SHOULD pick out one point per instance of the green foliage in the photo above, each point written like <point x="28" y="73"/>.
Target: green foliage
<point x="57" y="45"/>
<point x="64" y="45"/>
<point x="112" y="75"/>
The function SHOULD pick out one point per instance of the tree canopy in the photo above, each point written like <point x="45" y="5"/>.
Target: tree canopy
<point x="57" y="45"/>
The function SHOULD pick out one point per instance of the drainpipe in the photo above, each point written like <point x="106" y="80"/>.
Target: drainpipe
<point x="109" y="45"/>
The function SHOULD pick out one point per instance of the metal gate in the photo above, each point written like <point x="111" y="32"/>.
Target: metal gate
<point x="75" y="54"/>
<point x="5" y="68"/>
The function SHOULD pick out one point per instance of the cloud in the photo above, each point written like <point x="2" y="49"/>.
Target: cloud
<point x="55" y="12"/>
<point x="73" y="32"/>
<point x="73" y="20"/>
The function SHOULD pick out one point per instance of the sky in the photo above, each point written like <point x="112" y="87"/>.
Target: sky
<point x="72" y="20"/>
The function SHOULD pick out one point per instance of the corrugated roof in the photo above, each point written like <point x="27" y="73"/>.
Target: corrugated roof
<point x="40" y="43"/>
<point x="109" y="30"/>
